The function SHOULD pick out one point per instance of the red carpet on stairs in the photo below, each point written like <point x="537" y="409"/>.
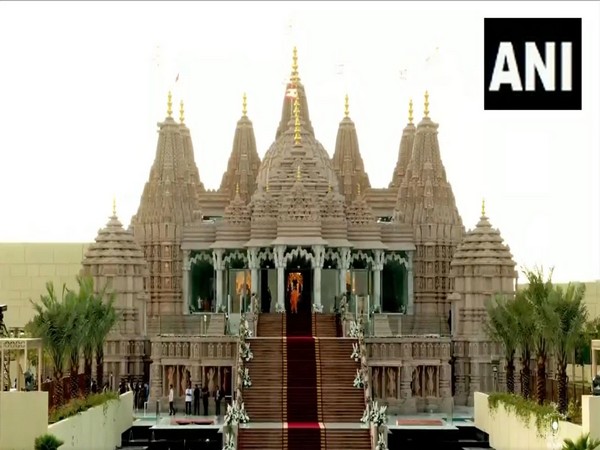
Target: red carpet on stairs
<point x="304" y="432"/>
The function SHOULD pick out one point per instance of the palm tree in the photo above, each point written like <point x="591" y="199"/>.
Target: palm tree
<point x="500" y="327"/>
<point x="85" y="302"/>
<point x="74" y="312"/>
<point x="583" y="443"/>
<point x="522" y="310"/>
<point x="537" y="293"/>
<point x="104" y="317"/>
<point x="51" y="324"/>
<point x="565" y="314"/>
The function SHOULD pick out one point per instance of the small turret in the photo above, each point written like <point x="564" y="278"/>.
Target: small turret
<point x="404" y="151"/>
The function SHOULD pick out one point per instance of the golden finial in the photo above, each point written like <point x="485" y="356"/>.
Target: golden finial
<point x="295" y="65"/>
<point x="297" y="136"/>
<point x="181" y="112"/>
<point x="267" y="187"/>
<point x="170" y="105"/>
<point x="483" y="207"/>
<point x="244" y="105"/>
<point x="426" y="112"/>
<point x="329" y="187"/>
<point x="298" y="174"/>
<point x="410" y="111"/>
<point x="358" y="189"/>
<point x="237" y="188"/>
<point x="114" y="206"/>
<point x="346" y="107"/>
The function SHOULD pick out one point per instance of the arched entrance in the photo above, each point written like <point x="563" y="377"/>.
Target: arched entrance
<point x="299" y="282"/>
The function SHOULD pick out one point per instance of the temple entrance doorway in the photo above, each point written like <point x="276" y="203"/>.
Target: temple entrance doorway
<point x="298" y="286"/>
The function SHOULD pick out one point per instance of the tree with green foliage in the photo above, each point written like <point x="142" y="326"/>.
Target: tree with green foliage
<point x="104" y="316"/>
<point x="47" y="442"/>
<point x="537" y="293"/>
<point x="565" y="316"/>
<point x="501" y="327"/>
<point x="584" y="442"/>
<point x="51" y="323"/>
<point x="525" y="328"/>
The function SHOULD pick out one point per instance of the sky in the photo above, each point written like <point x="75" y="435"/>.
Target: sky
<point x="83" y="85"/>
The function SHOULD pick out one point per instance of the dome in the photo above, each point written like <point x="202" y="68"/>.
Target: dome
<point x="237" y="212"/>
<point x="279" y="165"/>
<point x="263" y="225"/>
<point x="363" y="229"/>
<point x="333" y="220"/>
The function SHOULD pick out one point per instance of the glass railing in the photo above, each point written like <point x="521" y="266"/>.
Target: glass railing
<point x="396" y="324"/>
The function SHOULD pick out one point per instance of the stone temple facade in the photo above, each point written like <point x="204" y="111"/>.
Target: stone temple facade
<point x="301" y="220"/>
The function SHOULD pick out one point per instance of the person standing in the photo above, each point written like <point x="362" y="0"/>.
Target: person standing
<point x="188" y="400"/>
<point x="205" y="399"/>
<point x="196" y="401"/>
<point x="218" y="398"/>
<point x="171" y="400"/>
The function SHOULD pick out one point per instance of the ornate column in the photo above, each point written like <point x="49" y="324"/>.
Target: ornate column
<point x="345" y="260"/>
<point x="377" y="267"/>
<point x="186" y="282"/>
<point x="280" y="263"/>
<point x="410" y="307"/>
<point x="219" y="266"/>
<point x="318" y="260"/>
<point x="253" y="265"/>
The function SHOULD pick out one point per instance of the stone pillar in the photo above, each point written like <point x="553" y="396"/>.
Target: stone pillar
<point x="219" y="266"/>
<point x="318" y="260"/>
<point x="156" y="382"/>
<point x="377" y="267"/>
<point x="474" y="382"/>
<point x="410" y="307"/>
<point x="253" y="265"/>
<point x="280" y="263"/>
<point x="344" y="264"/>
<point x="186" y="282"/>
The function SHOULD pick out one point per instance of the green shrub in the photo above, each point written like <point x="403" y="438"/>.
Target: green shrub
<point x="47" y="442"/>
<point x="78" y="405"/>
<point x="525" y="410"/>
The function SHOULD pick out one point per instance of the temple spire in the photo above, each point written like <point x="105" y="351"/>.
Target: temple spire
<point x="170" y="104"/>
<point x="181" y="112"/>
<point x="297" y="136"/>
<point x="237" y="188"/>
<point x="114" y="206"/>
<point x="426" y="111"/>
<point x="298" y="173"/>
<point x="483" y="207"/>
<point x="244" y="105"/>
<point x="410" y="111"/>
<point x="358" y="189"/>
<point x="295" y="76"/>
<point x="346" y="106"/>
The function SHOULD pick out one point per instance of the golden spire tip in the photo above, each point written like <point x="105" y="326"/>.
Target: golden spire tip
<point x="346" y="106"/>
<point x="295" y="65"/>
<point x="114" y="206"/>
<point x="298" y="173"/>
<point x="483" y="207"/>
<point x="244" y="105"/>
<point x="170" y="104"/>
<point x="237" y="188"/>
<point x="297" y="128"/>
<point x="358" y="189"/>
<point x="426" y="111"/>
<point x="410" y="111"/>
<point x="181" y="112"/>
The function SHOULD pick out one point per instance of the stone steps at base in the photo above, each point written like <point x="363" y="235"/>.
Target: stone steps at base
<point x="261" y="439"/>
<point x="347" y="439"/>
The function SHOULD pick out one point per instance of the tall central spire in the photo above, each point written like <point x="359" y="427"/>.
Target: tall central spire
<point x="297" y="127"/>
<point x="295" y="76"/>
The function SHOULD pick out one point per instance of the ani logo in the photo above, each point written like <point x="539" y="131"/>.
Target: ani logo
<point x="532" y="64"/>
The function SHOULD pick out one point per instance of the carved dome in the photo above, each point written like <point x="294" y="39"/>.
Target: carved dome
<point x="299" y="205"/>
<point x="333" y="220"/>
<point x="363" y="229"/>
<point x="263" y="225"/>
<point x="283" y="157"/>
<point x="238" y="212"/>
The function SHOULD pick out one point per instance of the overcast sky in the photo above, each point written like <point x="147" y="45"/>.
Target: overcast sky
<point x="83" y="84"/>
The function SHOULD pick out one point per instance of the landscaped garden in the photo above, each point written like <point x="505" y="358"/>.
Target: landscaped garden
<point x="74" y="324"/>
<point x="543" y="324"/>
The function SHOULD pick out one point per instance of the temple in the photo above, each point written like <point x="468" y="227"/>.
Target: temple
<point x="304" y="230"/>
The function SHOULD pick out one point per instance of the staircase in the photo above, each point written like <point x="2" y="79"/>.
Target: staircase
<point x="271" y="325"/>
<point x="264" y="401"/>
<point x="324" y="325"/>
<point x="262" y="439"/>
<point x="341" y="401"/>
<point x="357" y="439"/>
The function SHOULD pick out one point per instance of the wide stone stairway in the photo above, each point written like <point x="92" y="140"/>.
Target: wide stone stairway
<point x="302" y="377"/>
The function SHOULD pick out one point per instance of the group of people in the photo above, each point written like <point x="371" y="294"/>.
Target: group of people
<point x="141" y="393"/>
<point x="194" y="395"/>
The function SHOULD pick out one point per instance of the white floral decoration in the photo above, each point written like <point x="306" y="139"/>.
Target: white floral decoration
<point x="356" y="331"/>
<point x="359" y="382"/>
<point x="381" y="445"/>
<point x="375" y="414"/>
<point x="245" y="331"/>
<point x="235" y="414"/>
<point x="279" y="308"/>
<point x="355" y="352"/>
<point x="245" y="351"/>
<point x="244" y="375"/>
<point x="222" y="309"/>
<point x="317" y="308"/>
<point x="229" y="442"/>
